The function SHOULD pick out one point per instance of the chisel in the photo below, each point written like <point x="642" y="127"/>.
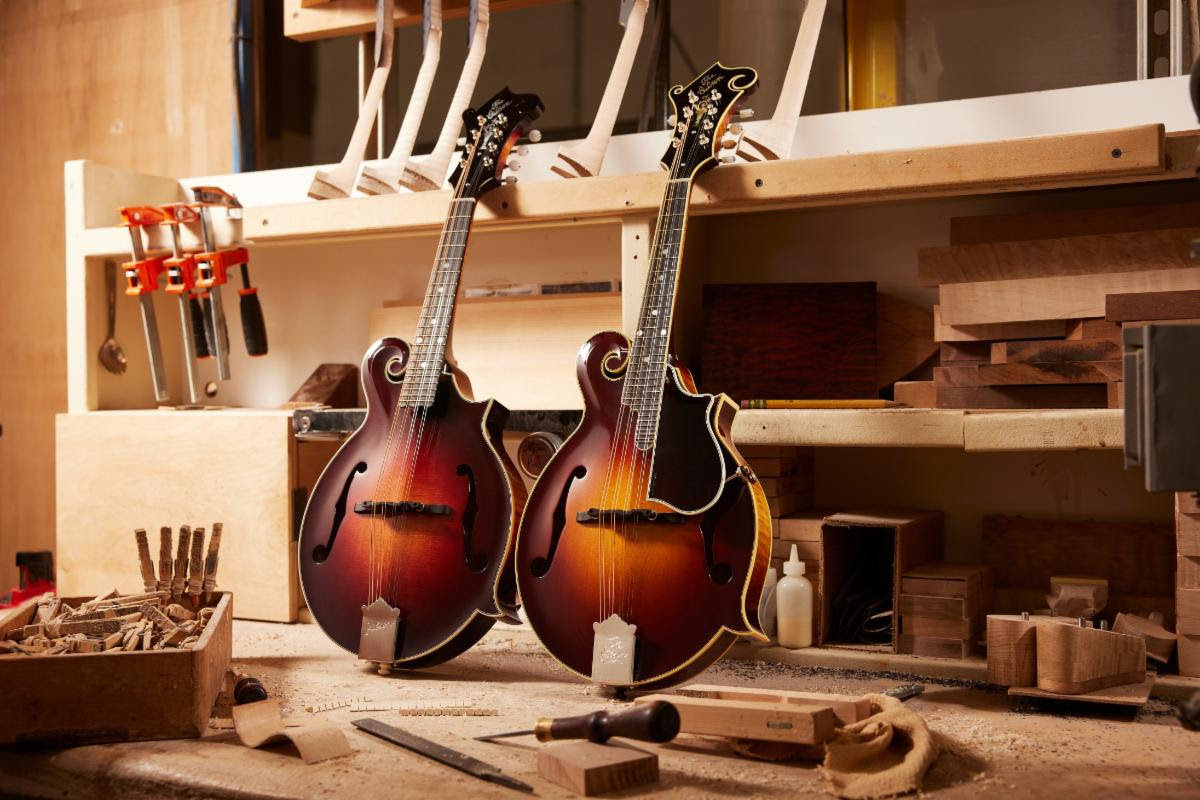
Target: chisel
<point x="653" y="722"/>
<point x="141" y="279"/>
<point x="181" y="279"/>
<point x="440" y="753"/>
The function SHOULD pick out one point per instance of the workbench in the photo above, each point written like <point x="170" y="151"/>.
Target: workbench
<point x="992" y="745"/>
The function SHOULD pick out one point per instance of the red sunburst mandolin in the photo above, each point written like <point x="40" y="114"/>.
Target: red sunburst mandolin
<point x="405" y="548"/>
<point x="643" y="548"/>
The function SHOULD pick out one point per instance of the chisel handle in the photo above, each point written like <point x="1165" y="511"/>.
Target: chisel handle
<point x="254" y="328"/>
<point x="653" y="722"/>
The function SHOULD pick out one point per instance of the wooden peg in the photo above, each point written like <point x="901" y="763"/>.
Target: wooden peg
<point x="149" y="583"/>
<point x="179" y="579"/>
<point x="195" y="581"/>
<point x="164" y="559"/>
<point x="210" y="562"/>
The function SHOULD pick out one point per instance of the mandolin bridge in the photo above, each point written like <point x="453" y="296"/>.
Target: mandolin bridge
<point x="394" y="508"/>
<point x="630" y="515"/>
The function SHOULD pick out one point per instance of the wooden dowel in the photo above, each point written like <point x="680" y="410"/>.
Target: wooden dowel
<point x="164" y="559"/>
<point x="143" y="548"/>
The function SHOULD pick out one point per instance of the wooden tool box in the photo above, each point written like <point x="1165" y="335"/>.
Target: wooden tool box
<point x="80" y="698"/>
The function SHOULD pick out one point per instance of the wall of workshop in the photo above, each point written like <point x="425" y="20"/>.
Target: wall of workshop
<point x="123" y="82"/>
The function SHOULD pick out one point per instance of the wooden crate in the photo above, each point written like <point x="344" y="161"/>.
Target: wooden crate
<point x="915" y="538"/>
<point x="81" y="698"/>
<point x="122" y="470"/>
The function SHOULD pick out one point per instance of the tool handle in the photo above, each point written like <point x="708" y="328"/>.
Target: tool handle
<point x="254" y="328"/>
<point x="199" y="328"/>
<point x="653" y="722"/>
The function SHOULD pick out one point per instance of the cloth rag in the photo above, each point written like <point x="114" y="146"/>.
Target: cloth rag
<point x="884" y="755"/>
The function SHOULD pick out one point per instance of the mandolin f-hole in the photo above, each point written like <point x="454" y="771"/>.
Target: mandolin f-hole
<point x="321" y="551"/>
<point x="540" y="566"/>
<point x="719" y="572"/>
<point x="476" y="562"/>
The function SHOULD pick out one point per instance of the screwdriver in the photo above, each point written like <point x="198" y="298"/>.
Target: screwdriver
<point x="653" y="722"/>
<point x="141" y="280"/>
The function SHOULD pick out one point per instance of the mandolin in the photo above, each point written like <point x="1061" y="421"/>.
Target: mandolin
<point x="643" y="548"/>
<point x="406" y="545"/>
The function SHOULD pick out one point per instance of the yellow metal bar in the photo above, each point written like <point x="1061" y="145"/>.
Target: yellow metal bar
<point x="874" y="53"/>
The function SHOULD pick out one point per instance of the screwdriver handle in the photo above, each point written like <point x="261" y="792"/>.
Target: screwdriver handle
<point x="653" y="722"/>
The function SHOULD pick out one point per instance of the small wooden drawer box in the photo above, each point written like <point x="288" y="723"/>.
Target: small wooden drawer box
<point x="79" y="698"/>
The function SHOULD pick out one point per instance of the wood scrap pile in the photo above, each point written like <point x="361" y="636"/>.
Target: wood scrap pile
<point x="1031" y="306"/>
<point x="171" y="612"/>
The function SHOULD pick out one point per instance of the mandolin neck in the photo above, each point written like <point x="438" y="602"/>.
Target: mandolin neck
<point x="428" y="347"/>
<point x="651" y="339"/>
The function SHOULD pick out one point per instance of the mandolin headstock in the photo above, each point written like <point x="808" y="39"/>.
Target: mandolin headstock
<point x="492" y="130"/>
<point x="702" y="112"/>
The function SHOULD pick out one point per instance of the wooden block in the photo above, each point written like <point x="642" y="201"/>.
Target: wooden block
<point x="1077" y="595"/>
<point x="803" y="527"/>
<point x="790" y="340"/>
<point x="903" y="337"/>
<point x="1011" y="650"/>
<point x="1160" y="642"/>
<point x="589" y="769"/>
<point x="1187" y="603"/>
<point x="1082" y="395"/>
<point x="774" y="467"/>
<point x="964" y="352"/>
<point x="1061" y="256"/>
<point x="1074" y="660"/>
<point x="916" y="394"/>
<point x="1152" y="306"/>
<point x="939" y="628"/>
<point x="1188" y="503"/>
<point x="938" y="607"/>
<point x="1061" y="297"/>
<point x="1187" y="534"/>
<point x="744" y="719"/>
<point x="799" y="481"/>
<point x="934" y="647"/>
<point x="956" y="579"/>
<point x="1137" y="558"/>
<point x="1001" y="331"/>
<point x="1187" y="572"/>
<point x="847" y="709"/>
<point x="1189" y="655"/>
<point x="1094" y="329"/>
<point x="333" y="385"/>
<point x="1075" y="222"/>
<point x="1188" y="625"/>
<point x="1051" y="351"/>
<point x="1116" y="394"/>
<point x="789" y="503"/>
<point x="1024" y="374"/>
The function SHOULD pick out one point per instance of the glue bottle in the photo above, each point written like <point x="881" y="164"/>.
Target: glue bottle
<point x="794" y="604"/>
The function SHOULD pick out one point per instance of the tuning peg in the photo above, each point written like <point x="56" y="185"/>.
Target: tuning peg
<point x="736" y="129"/>
<point x="522" y="150"/>
<point x="514" y="165"/>
<point x="534" y="136"/>
<point x="728" y="144"/>
<point x="461" y="142"/>
<point x="509" y="179"/>
<point x="745" y="113"/>
<point x="729" y="159"/>
<point x="672" y="120"/>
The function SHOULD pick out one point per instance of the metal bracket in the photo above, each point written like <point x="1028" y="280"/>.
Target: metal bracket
<point x="1162" y="396"/>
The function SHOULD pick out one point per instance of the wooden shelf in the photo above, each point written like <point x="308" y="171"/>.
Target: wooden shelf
<point x="1142" y="153"/>
<point x="306" y="20"/>
<point x="973" y="431"/>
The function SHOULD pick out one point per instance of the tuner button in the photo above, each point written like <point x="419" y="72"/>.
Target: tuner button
<point x="729" y="159"/>
<point x="673" y="120"/>
<point x="535" y="136"/>
<point x="514" y="165"/>
<point x="736" y="129"/>
<point x="728" y="144"/>
<point x="523" y="150"/>
<point x="746" y="113"/>
<point x="461" y="142"/>
<point x="509" y="179"/>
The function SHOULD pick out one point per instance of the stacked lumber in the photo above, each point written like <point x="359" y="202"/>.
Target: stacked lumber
<point x="1023" y="318"/>
<point x="108" y="623"/>
<point x="942" y="608"/>
<point x="1187" y="582"/>
<point x="786" y="477"/>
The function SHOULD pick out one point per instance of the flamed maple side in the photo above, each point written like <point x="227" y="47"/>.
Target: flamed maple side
<point x="419" y="507"/>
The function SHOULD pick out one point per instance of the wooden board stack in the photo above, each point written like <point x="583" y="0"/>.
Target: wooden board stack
<point x="802" y="529"/>
<point x="1023" y="319"/>
<point x="786" y="477"/>
<point x="942" y="609"/>
<point x="1187" y="582"/>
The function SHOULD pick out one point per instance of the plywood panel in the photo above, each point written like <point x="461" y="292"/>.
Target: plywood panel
<point x="118" y="471"/>
<point x="115" y="81"/>
<point x="519" y="351"/>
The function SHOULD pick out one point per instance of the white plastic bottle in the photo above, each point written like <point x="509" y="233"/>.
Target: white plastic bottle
<point x="794" y="604"/>
<point x="766" y="606"/>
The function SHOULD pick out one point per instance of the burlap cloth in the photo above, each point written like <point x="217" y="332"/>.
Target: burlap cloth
<point x="884" y="755"/>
